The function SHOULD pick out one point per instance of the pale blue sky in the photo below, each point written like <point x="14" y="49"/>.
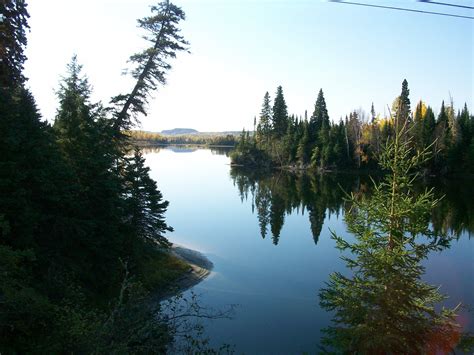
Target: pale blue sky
<point x="240" y="49"/>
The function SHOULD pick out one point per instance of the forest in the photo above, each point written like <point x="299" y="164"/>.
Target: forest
<point x="82" y="224"/>
<point x="355" y="142"/>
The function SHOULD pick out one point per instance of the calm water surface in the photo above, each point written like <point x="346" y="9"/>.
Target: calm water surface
<point x="269" y="240"/>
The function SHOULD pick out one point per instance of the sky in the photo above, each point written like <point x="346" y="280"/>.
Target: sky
<point x="239" y="49"/>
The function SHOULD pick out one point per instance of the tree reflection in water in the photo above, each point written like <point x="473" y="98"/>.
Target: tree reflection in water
<point x="275" y="194"/>
<point x="383" y="306"/>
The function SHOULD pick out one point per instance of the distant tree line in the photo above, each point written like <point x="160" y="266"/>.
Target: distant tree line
<point x="355" y="142"/>
<point x="143" y="139"/>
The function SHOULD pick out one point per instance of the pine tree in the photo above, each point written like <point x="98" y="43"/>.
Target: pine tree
<point x="319" y="118"/>
<point x="265" y="120"/>
<point x="280" y="114"/>
<point x="404" y="112"/>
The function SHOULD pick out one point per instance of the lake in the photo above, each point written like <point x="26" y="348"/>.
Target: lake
<point x="269" y="237"/>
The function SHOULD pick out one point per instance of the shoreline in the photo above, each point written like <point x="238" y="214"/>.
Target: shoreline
<point x="200" y="268"/>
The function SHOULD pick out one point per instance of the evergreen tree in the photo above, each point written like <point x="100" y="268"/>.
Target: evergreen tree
<point x="86" y="140"/>
<point x="13" y="26"/>
<point x="442" y="134"/>
<point x="280" y="114"/>
<point x="302" y="152"/>
<point x="385" y="307"/>
<point x="404" y="112"/>
<point x="418" y="125"/>
<point x="319" y="118"/>
<point x="372" y="114"/>
<point x="429" y="123"/>
<point x="144" y="202"/>
<point x="152" y="63"/>
<point x="265" y="120"/>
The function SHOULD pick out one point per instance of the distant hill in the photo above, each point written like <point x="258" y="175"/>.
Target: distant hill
<point x="178" y="131"/>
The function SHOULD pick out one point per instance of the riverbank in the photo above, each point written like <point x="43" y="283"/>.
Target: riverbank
<point x="199" y="267"/>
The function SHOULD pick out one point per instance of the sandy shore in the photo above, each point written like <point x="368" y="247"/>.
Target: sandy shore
<point x="199" y="268"/>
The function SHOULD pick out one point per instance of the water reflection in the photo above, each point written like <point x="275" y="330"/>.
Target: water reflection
<point x="455" y="212"/>
<point x="275" y="194"/>
<point x="383" y="306"/>
<point x="186" y="148"/>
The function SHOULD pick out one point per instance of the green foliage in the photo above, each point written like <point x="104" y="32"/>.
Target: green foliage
<point x="249" y="154"/>
<point x="280" y="114"/>
<point x="320" y="117"/>
<point x="264" y="126"/>
<point x="356" y="143"/>
<point x="73" y="206"/>
<point x="384" y="306"/>
<point x="13" y="26"/>
<point x="144" y="203"/>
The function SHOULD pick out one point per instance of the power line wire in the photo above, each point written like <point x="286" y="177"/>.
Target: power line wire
<point x="401" y="9"/>
<point x="446" y="4"/>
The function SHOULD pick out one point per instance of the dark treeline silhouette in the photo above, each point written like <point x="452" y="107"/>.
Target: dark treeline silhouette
<point x="279" y="193"/>
<point x="81" y="221"/>
<point x="355" y="142"/>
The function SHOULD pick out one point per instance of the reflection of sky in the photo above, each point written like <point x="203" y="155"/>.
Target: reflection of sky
<point x="275" y="286"/>
<point x="453" y="269"/>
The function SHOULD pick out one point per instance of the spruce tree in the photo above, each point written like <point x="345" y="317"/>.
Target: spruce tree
<point x="86" y="141"/>
<point x="13" y="27"/>
<point x="319" y="118"/>
<point x="265" y="120"/>
<point x="385" y="307"/>
<point x="404" y="112"/>
<point x="280" y="114"/>
<point x="145" y="205"/>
